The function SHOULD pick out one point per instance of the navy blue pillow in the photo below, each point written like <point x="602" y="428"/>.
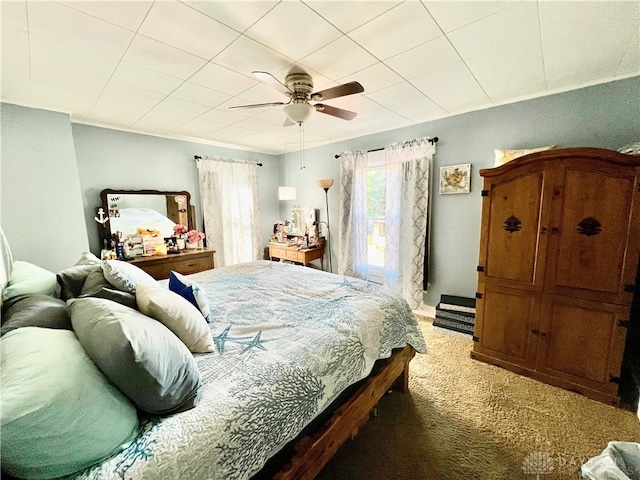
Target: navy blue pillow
<point x="191" y="291"/>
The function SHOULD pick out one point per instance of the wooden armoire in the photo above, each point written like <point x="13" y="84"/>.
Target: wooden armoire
<point x="559" y="250"/>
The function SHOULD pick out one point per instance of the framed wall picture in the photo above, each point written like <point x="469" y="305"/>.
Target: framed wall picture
<point x="455" y="179"/>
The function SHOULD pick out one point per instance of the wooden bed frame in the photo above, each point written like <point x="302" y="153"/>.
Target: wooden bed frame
<point x="314" y="451"/>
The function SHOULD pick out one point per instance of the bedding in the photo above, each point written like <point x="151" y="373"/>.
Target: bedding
<point x="288" y="340"/>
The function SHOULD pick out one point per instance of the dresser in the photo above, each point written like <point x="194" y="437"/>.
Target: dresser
<point x="295" y="254"/>
<point x="185" y="262"/>
<point x="559" y="250"/>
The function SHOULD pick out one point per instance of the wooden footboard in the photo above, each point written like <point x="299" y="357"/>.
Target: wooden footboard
<point x="313" y="452"/>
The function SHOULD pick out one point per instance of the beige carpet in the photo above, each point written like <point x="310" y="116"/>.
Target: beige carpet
<point x="464" y="419"/>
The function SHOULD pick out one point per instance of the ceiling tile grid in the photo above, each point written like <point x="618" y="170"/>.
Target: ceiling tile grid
<point x="173" y="68"/>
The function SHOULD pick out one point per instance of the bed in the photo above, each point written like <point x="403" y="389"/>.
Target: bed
<point x="300" y="358"/>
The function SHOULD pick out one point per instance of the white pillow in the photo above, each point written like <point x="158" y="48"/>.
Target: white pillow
<point x="504" y="156"/>
<point x="177" y="314"/>
<point x="125" y="276"/>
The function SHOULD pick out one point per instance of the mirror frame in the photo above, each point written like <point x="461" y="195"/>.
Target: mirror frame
<point x="105" y="230"/>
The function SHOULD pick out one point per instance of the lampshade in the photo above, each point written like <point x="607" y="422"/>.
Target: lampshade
<point x="299" y="112"/>
<point x="286" y="193"/>
<point x="326" y="184"/>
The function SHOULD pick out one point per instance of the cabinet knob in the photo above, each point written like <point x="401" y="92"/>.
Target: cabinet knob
<point x="543" y="230"/>
<point x="555" y="230"/>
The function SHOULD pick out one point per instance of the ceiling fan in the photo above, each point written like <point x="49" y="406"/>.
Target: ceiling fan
<point x="298" y="86"/>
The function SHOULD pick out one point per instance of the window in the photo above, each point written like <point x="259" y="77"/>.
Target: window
<point x="376" y="194"/>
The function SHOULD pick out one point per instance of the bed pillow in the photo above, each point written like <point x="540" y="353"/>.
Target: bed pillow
<point x="59" y="414"/>
<point x="34" y="310"/>
<point x="72" y="279"/>
<point x="177" y="314"/>
<point x="191" y="291"/>
<point x="97" y="286"/>
<point x="29" y="278"/>
<point x="505" y="156"/>
<point x="138" y="354"/>
<point x="124" y="276"/>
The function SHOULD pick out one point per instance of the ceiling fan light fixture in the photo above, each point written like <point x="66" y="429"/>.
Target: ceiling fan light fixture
<point x="299" y="112"/>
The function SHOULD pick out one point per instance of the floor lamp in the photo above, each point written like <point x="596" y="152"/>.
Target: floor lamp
<point x="326" y="185"/>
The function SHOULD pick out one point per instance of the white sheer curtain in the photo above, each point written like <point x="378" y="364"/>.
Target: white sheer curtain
<point x="407" y="168"/>
<point x="229" y="193"/>
<point x="352" y="257"/>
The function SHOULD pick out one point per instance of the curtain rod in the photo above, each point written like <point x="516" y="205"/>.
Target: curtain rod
<point x="198" y="157"/>
<point x="432" y="141"/>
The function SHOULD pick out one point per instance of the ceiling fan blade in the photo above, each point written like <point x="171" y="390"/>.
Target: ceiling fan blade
<point x="288" y="122"/>
<point x="336" y="112"/>
<point x="257" y="105"/>
<point x="271" y="81"/>
<point x="339" y="91"/>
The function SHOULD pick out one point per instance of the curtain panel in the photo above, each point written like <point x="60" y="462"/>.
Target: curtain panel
<point x="352" y="235"/>
<point x="229" y="194"/>
<point x="407" y="167"/>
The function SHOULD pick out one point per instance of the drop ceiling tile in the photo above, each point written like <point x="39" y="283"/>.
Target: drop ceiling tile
<point x="293" y="21"/>
<point x="187" y="29"/>
<point x="228" y="12"/>
<point x="630" y="64"/>
<point x="498" y="30"/>
<point x="162" y="58"/>
<point x="182" y="107"/>
<point x="338" y="59"/>
<point x="374" y="78"/>
<point x="453" y="15"/>
<point x="425" y="58"/>
<point x="255" y="124"/>
<point x="128" y="14"/>
<point x="401" y="28"/>
<point x="63" y="24"/>
<point x="555" y="15"/>
<point x="15" y="84"/>
<point x="222" y="79"/>
<point x="263" y="142"/>
<point x="130" y="74"/>
<point x="14" y="15"/>
<point x="394" y="94"/>
<point x="123" y="104"/>
<point x="452" y="88"/>
<point x="199" y="127"/>
<point x="222" y="116"/>
<point x="356" y="103"/>
<point x="200" y="95"/>
<point x="510" y="72"/>
<point x="273" y="115"/>
<point x="262" y="93"/>
<point x="572" y="53"/>
<point x="160" y="120"/>
<point x="246" y="55"/>
<point x="384" y="117"/>
<point x="418" y="109"/>
<point x="235" y="130"/>
<point x="347" y="16"/>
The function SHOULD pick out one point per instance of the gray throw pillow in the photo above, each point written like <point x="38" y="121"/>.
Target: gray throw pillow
<point x="97" y="286"/>
<point x="72" y="279"/>
<point x="138" y="354"/>
<point x="34" y="310"/>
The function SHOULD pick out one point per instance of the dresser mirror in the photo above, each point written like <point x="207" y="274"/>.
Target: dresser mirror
<point x="128" y="210"/>
<point x="303" y="217"/>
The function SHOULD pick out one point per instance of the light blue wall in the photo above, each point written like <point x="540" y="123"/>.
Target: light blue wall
<point x="41" y="212"/>
<point x="129" y="161"/>
<point x="53" y="171"/>
<point x="606" y="116"/>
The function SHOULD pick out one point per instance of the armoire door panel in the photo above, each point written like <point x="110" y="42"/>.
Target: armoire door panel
<point x="513" y="229"/>
<point x="593" y="228"/>
<point x="581" y="341"/>
<point x="505" y="319"/>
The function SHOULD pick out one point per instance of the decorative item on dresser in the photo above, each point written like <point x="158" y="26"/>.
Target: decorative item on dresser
<point x="185" y="262"/>
<point x="559" y="250"/>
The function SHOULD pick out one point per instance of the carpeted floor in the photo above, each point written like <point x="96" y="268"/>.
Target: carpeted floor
<point x="463" y="419"/>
